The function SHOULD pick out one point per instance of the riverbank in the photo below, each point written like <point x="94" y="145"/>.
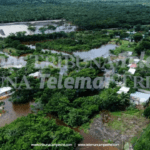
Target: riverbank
<point x="120" y="127"/>
<point x="14" y="111"/>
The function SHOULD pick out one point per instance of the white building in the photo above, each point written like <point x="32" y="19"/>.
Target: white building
<point x="131" y="70"/>
<point x="5" y="91"/>
<point x="35" y="75"/>
<point x="136" y="60"/>
<point x="139" y="98"/>
<point x="123" y="90"/>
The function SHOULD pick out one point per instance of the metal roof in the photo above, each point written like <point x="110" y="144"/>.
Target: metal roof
<point x="131" y="70"/>
<point x="143" y="97"/>
<point x="5" y="89"/>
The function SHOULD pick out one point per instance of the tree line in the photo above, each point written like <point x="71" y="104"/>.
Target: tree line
<point x="86" y="15"/>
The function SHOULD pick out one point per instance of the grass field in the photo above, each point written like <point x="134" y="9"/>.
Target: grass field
<point x="128" y="122"/>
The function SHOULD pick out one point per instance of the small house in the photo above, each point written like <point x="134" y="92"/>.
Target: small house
<point x="139" y="97"/>
<point x="35" y="75"/>
<point x="5" y="91"/>
<point x="123" y="90"/>
<point x="132" y="70"/>
<point x="133" y="66"/>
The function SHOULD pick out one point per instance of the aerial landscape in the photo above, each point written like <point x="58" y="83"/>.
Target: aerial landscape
<point x="74" y="75"/>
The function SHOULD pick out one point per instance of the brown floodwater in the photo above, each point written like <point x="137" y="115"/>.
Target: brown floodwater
<point x="87" y="138"/>
<point x="23" y="55"/>
<point x="14" y="111"/>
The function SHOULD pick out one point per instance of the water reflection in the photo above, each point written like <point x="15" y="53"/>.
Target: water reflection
<point x="87" y="138"/>
<point x="13" y="111"/>
<point x="103" y="51"/>
<point x="17" y="110"/>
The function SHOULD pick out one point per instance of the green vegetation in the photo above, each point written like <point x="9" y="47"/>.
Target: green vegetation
<point x="147" y="112"/>
<point x="42" y="29"/>
<point x="124" y="47"/>
<point x="137" y="37"/>
<point x="78" y="41"/>
<point x="36" y="129"/>
<point x="123" y="121"/>
<point x="51" y="27"/>
<point x="80" y="12"/>
<point x="3" y="56"/>
<point x="142" y="142"/>
<point x="32" y="28"/>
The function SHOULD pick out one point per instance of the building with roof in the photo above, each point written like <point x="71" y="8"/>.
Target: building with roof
<point x="136" y="60"/>
<point x="129" y="65"/>
<point x="123" y="90"/>
<point x="35" y="75"/>
<point x="131" y="70"/>
<point x="139" y="97"/>
<point x="5" y="91"/>
<point x="133" y="66"/>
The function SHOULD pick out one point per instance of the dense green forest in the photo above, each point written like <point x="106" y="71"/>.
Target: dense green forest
<point x="87" y="15"/>
<point x="36" y="129"/>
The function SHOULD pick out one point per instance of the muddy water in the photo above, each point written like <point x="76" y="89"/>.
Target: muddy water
<point x="87" y="138"/>
<point x="13" y="111"/>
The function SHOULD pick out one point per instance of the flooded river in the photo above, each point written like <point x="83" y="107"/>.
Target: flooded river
<point x="23" y="26"/>
<point x="103" y="51"/>
<point x="14" y="111"/>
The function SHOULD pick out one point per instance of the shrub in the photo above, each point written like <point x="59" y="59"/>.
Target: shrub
<point x="147" y="112"/>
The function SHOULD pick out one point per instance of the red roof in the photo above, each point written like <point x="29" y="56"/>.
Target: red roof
<point x="133" y="66"/>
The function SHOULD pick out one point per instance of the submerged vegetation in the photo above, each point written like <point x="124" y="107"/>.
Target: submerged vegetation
<point x="75" y="107"/>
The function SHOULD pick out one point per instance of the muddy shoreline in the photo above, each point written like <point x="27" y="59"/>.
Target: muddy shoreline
<point x="13" y="111"/>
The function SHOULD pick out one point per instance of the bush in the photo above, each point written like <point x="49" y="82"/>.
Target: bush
<point x="147" y="112"/>
<point x="143" y="142"/>
<point x="31" y="28"/>
<point x="51" y="27"/>
<point x="112" y="85"/>
<point x="131" y="107"/>
<point x="35" y="129"/>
